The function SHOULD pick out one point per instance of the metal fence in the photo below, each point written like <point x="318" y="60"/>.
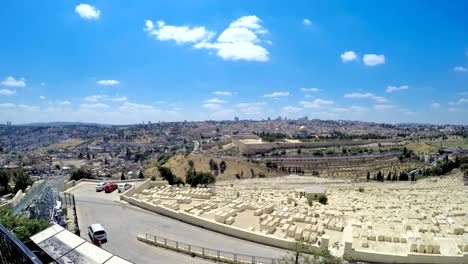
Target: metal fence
<point x="13" y="251"/>
<point x="209" y="253"/>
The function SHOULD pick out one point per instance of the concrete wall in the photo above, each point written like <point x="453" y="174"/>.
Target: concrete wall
<point x="212" y="225"/>
<point x="145" y="185"/>
<point x="372" y="256"/>
<point x="267" y="146"/>
<point x="14" y="201"/>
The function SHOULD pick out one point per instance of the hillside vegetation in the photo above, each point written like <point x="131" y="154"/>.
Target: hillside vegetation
<point x="179" y="166"/>
<point x="421" y="147"/>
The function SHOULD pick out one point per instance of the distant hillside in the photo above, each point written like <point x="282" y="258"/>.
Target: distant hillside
<point x="179" y="166"/>
<point x="51" y="124"/>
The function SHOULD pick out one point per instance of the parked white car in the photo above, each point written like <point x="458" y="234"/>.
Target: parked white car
<point x="100" y="186"/>
<point x="97" y="231"/>
<point x="124" y="186"/>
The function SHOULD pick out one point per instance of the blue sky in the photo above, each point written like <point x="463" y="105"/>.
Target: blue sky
<point x="124" y="62"/>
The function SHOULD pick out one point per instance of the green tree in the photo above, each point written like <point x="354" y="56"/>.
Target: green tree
<point x="323" y="199"/>
<point x="122" y="176"/>
<point x="298" y="248"/>
<point x="200" y="178"/>
<point x="213" y="165"/>
<point x="81" y="174"/>
<point x="140" y="175"/>
<point x="21" y="226"/>
<point x="166" y="174"/>
<point x="222" y="166"/>
<point x="4" y="179"/>
<point x="22" y="181"/>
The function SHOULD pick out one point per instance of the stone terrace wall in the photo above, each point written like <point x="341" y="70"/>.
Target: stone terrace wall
<point x="372" y="256"/>
<point x="214" y="226"/>
<point x="267" y="146"/>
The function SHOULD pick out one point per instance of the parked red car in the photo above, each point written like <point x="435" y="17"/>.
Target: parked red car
<point x="110" y="187"/>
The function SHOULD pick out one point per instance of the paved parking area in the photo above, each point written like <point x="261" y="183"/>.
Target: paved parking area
<point x="123" y="222"/>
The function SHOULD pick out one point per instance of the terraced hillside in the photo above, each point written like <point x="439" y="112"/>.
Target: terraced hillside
<point x="243" y="169"/>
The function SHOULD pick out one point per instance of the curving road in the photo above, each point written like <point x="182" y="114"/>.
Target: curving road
<point x="123" y="222"/>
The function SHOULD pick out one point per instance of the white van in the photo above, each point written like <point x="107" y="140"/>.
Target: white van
<point x="100" y="186"/>
<point x="97" y="231"/>
<point x="124" y="186"/>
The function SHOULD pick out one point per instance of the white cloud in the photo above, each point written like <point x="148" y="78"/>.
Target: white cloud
<point x="223" y="114"/>
<point x="7" y="92"/>
<point x="89" y="107"/>
<point x="239" y="41"/>
<point x="384" y="107"/>
<point x="276" y="94"/>
<point x="251" y="109"/>
<point x="291" y="109"/>
<point x="93" y="98"/>
<point x="135" y="107"/>
<point x="366" y="95"/>
<point x="391" y="89"/>
<point x="454" y="110"/>
<point x="250" y="22"/>
<point x="223" y="93"/>
<point x="215" y="101"/>
<point x="460" y="101"/>
<point x="460" y="69"/>
<point x="42" y="97"/>
<point x="315" y="104"/>
<point x="10" y="81"/>
<point x="435" y="104"/>
<point x="310" y="89"/>
<point x="373" y="59"/>
<point x="119" y="99"/>
<point x="7" y="105"/>
<point x="212" y="106"/>
<point x="28" y="107"/>
<point x="356" y="108"/>
<point x="242" y="105"/>
<point x="349" y="56"/>
<point x="182" y="34"/>
<point x="43" y="84"/>
<point x="64" y="103"/>
<point x="87" y="11"/>
<point x="307" y="22"/>
<point x="108" y="82"/>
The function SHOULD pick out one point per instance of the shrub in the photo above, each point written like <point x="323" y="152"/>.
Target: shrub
<point x="80" y="174"/>
<point x="200" y="178"/>
<point x="361" y="189"/>
<point x="153" y="178"/>
<point x="310" y="201"/>
<point x="323" y="199"/>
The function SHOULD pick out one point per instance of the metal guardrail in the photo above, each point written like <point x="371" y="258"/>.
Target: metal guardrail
<point x="208" y="253"/>
<point x="13" y="251"/>
<point x="69" y="201"/>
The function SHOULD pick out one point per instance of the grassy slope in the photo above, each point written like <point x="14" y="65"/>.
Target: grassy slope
<point x="421" y="147"/>
<point x="179" y="166"/>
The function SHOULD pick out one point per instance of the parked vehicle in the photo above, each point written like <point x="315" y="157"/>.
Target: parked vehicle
<point x="96" y="231"/>
<point x="100" y="186"/>
<point x="110" y="187"/>
<point x="124" y="186"/>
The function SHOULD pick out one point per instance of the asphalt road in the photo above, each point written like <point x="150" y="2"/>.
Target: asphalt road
<point x="123" y="222"/>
